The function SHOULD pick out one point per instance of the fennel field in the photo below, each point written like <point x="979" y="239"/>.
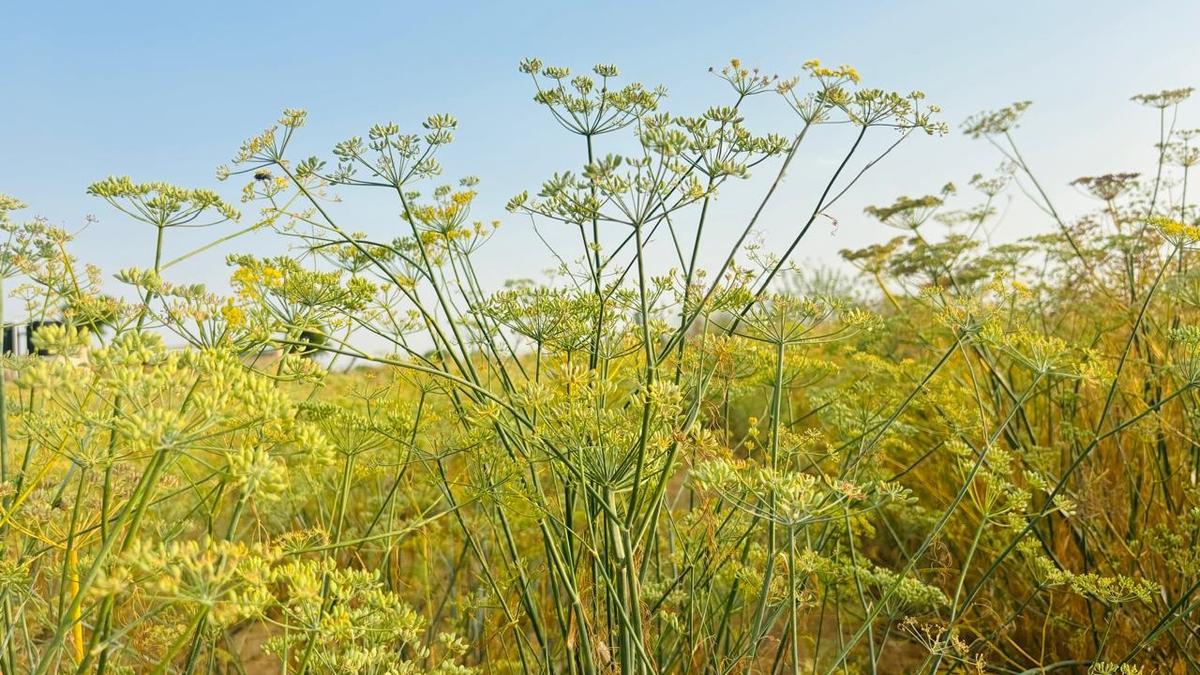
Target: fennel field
<point x="962" y="456"/>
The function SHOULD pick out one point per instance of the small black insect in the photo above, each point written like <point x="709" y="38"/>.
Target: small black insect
<point x="262" y="174"/>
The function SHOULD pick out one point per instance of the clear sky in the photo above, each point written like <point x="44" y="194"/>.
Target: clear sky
<point x="167" y="90"/>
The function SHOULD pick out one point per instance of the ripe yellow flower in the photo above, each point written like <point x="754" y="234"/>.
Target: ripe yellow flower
<point x="233" y="314"/>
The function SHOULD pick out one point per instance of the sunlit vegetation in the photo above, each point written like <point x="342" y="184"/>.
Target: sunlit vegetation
<point x="963" y="456"/>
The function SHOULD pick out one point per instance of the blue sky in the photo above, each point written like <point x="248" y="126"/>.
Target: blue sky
<point x="167" y="90"/>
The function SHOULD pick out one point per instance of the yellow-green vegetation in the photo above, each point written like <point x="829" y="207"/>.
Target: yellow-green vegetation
<point x="981" y="458"/>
